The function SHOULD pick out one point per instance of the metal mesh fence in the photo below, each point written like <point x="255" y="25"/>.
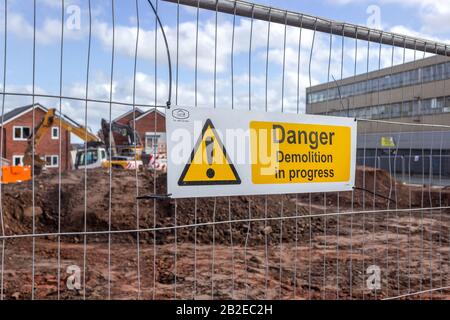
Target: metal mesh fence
<point x="86" y="234"/>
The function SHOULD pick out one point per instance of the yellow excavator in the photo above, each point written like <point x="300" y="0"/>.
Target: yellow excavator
<point x="51" y="120"/>
<point x="94" y="155"/>
<point x="33" y="162"/>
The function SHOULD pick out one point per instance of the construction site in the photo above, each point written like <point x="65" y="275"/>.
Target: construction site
<point x="274" y="256"/>
<point x="89" y="206"/>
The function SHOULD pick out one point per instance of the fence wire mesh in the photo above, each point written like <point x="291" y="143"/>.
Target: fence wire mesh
<point x="84" y="233"/>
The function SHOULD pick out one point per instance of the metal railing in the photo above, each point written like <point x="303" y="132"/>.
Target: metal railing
<point x="87" y="234"/>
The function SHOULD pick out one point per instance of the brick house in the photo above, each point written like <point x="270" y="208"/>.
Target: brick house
<point x="18" y="126"/>
<point x="127" y="118"/>
<point x="151" y="127"/>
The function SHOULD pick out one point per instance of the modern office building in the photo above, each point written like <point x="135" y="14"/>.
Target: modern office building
<point x="413" y="93"/>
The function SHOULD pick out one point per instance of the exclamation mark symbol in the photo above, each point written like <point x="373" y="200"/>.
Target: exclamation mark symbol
<point x="209" y="144"/>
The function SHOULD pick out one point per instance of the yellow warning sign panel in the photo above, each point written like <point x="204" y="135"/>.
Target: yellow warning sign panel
<point x="215" y="152"/>
<point x="285" y="153"/>
<point x="209" y="163"/>
<point x="388" y="142"/>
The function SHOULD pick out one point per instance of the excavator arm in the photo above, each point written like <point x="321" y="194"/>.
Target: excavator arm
<point x="39" y="131"/>
<point x="51" y="120"/>
<point x="80" y="132"/>
<point x="133" y="145"/>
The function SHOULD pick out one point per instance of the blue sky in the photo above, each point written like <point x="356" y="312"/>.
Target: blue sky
<point x="424" y="18"/>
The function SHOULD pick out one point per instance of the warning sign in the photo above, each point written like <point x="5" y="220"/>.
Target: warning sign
<point x="209" y="163"/>
<point x="299" y="153"/>
<point x="388" y="142"/>
<point x="217" y="152"/>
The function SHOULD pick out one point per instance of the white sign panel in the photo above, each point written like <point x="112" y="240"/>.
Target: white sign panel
<point x="217" y="152"/>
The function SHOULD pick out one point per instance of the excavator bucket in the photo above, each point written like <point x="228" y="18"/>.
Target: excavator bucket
<point x="14" y="174"/>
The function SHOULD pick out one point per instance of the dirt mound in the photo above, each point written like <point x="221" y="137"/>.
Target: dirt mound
<point x="86" y="202"/>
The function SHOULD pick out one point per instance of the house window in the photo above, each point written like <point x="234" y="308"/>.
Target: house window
<point x="17" y="160"/>
<point x="151" y="143"/>
<point x="55" y="133"/>
<point x="21" y="133"/>
<point x="51" y="161"/>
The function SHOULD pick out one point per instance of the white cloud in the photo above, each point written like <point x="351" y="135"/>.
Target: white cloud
<point x="433" y="14"/>
<point x="125" y="38"/>
<point x="47" y="33"/>
<point x="54" y="3"/>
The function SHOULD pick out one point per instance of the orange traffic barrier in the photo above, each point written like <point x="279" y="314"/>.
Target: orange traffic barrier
<point x="13" y="174"/>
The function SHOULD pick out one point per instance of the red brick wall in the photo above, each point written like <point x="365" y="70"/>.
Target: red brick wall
<point x="47" y="145"/>
<point x="128" y="118"/>
<point x="147" y="124"/>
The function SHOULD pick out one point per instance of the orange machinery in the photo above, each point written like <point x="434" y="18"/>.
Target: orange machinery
<point x="13" y="174"/>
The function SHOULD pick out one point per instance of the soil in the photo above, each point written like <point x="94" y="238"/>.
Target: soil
<point x="296" y="247"/>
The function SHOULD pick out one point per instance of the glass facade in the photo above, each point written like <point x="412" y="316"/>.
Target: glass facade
<point x="397" y="110"/>
<point x="412" y="77"/>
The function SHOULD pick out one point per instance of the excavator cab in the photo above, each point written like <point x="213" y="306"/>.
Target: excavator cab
<point x="90" y="158"/>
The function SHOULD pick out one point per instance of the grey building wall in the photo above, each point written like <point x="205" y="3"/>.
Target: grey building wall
<point x="425" y="100"/>
<point x="404" y="97"/>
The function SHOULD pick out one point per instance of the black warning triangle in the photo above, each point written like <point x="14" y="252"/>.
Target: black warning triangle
<point x="209" y="163"/>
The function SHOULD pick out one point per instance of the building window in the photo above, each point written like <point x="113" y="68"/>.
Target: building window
<point x="17" y="160"/>
<point x="51" y="161"/>
<point x="21" y="133"/>
<point x="388" y="82"/>
<point x="55" y="133"/>
<point x="151" y="143"/>
<point x="396" y="110"/>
